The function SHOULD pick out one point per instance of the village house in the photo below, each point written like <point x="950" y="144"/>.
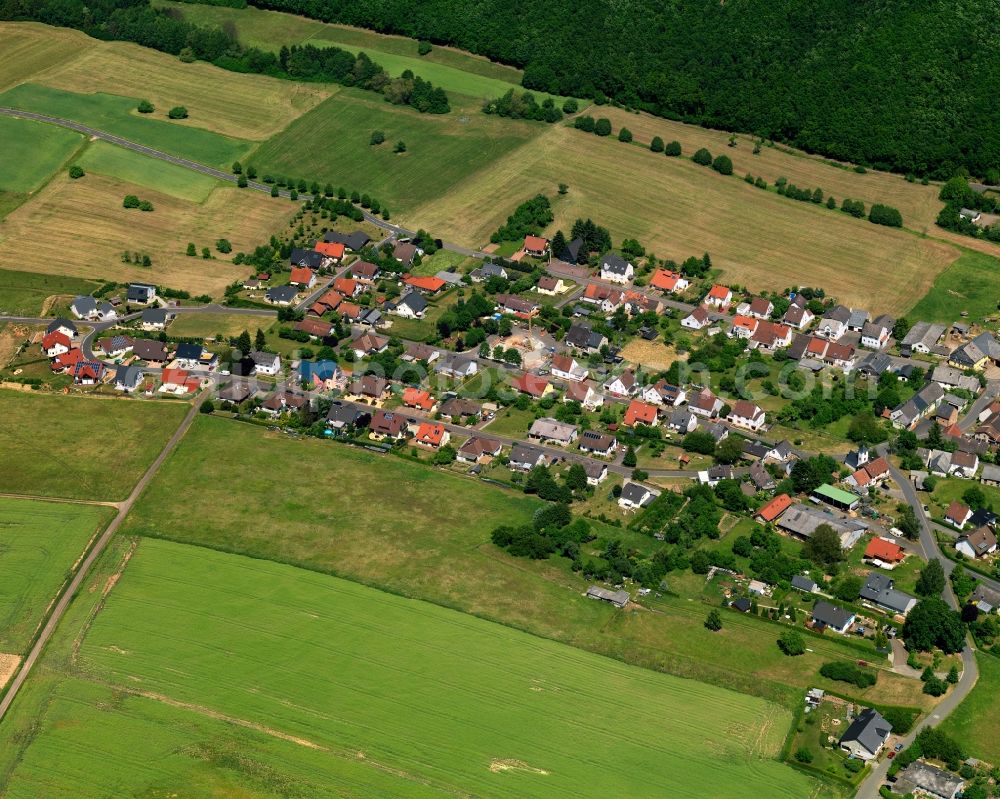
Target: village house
<point x="86" y="307"/>
<point x="524" y="457"/>
<point x="833" y="324"/>
<point x="605" y="297"/>
<point x="603" y="444"/>
<point x="550" y="286"/>
<point x="978" y="544"/>
<point x="566" y="367"/>
<point x="624" y="385"/>
<point x="266" y="363"/>
<point x="142" y="293"/>
<point x="129" y="378"/>
<point x="957" y="514"/>
<point x="867" y="734"/>
<point x="878" y="589"/>
<point x="635" y="496"/>
<point x="365" y="271"/>
<point x="663" y="393"/>
<point x="411" y="305"/>
<point x="478" y="449"/>
<point x="536" y="246"/>
<point x="387" y="425"/>
<point x="774" y="508"/>
<point x="719" y="297"/>
<point x="869" y="475"/>
<point x="418" y="398"/>
<point x="639" y="412"/>
<point x="552" y="431"/>
<point x="369" y="344"/>
<point x="747" y="415"/>
<point x="705" y="404"/>
<point x="671" y="282"/>
<point x="923" y="779"/>
<point x="616" y="269"/>
<point x="875" y="334"/>
<point x="369" y="387"/>
<point x="696" y="320"/>
<point x="343" y="415"/>
<point x="832" y="617"/>
<point x="581" y="337"/>
<point x="531" y="384"/>
<point x="432" y="435"/>
<point x="303" y="277"/>
<point x="281" y="295"/>
<point x="757" y="308"/>
<point x="584" y="393"/>
<point x="921" y="405"/>
<point x="884" y="553"/>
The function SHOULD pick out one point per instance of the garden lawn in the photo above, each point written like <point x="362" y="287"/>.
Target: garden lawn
<point x="113" y="114"/>
<point x="424" y="533"/>
<point x="32" y="152"/>
<point x="80" y="447"/>
<point x="132" y="167"/>
<point x="25" y="293"/>
<point x="426" y="694"/>
<point x="39" y="544"/>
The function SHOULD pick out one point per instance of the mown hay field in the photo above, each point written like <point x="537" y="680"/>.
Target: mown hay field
<point x="85" y="230"/>
<point x="332" y="143"/>
<point x="39" y="544"/>
<point x="227" y="103"/>
<point x="430" y="696"/>
<point x="425" y="533"/>
<point x="78" y="447"/>
<point x="677" y="209"/>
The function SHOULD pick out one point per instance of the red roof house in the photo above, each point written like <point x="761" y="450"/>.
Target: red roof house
<point x="536" y="246"/>
<point x="884" y="550"/>
<point x="431" y="434"/>
<point x="429" y="284"/>
<point x="639" y="412"/>
<point x="418" y="398"/>
<point x="302" y="276"/>
<point x="531" y="384"/>
<point x="347" y="286"/>
<point x="773" y="509"/>
<point x="332" y="250"/>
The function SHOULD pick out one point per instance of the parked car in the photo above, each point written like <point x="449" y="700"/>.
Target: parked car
<point x="892" y="755"/>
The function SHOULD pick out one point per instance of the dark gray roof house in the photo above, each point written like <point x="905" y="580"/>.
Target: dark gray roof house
<point x="867" y="734"/>
<point x="127" y="378"/>
<point x="572" y="251"/>
<point x="583" y="338"/>
<point x="148" y="350"/>
<point x="611" y="262"/>
<point x="353" y="241"/>
<point x="804" y="584"/>
<point x="832" y="616"/>
<point x="525" y="456"/>
<point x="342" y="414"/>
<point x="920" y="777"/>
<point x="878" y="590"/>
<point x="236" y="391"/>
<point x="303" y="257"/>
<point x="65" y="324"/>
<point x="412" y="300"/>
<point x="281" y="295"/>
<point x="617" y="598"/>
<point x="140" y="292"/>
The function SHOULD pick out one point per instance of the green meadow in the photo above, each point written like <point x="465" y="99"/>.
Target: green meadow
<point x="331" y="143"/>
<point x="80" y="447"/>
<point x="971" y="283"/>
<point x="113" y="114"/>
<point x="32" y="151"/>
<point x="132" y="167"/>
<point x="371" y="686"/>
<point x="976" y="722"/>
<point x="39" y="543"/>
<point x="23" y="293"/>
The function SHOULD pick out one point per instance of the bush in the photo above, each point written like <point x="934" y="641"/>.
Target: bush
<point x="702" y="157"/>
<point x="130" y="201"/>
<point x="625" y="135"/>
<point x="602" y="127"/>
<point x="178" y="112"/>
<point x="935" y="686"/>
<point x="423" y="48"/>
<point x="76" y="172"/>
<point x="223" y="246"/>
<point x="242" y="182"/>
<point x="584" y="123"/>
<point x="672" y="149"/>
<point x="656" y="145"/>
<point x="803" y="755"/>
<point x="145" y="205"/>
<point x="723" y="164"/>
<point x="145" y="107"/>
<point x="853" y="766"/>
<point x="885" y="215"/>
<point x="571" y="106"/>
<point x="207" y="406"/>
<point x="377" y="137"/>
<point x="849" y="672"/>
<point x="713" y="621"/>
<point x="792" y="643"/>
<point x="400" y="147"/>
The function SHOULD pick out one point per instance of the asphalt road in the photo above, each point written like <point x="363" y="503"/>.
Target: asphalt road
<point x="81" y="573"/>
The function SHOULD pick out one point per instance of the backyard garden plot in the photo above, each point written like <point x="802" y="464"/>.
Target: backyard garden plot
<point x="454" y="702"/>
<point x="80" y="447"/>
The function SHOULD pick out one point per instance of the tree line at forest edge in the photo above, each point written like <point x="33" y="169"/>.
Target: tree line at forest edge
<point x="907" y="87"/>
<point x="162" y="29"/>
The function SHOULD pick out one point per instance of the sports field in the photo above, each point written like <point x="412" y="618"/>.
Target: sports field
<point x="86" y="230"/>
<point x="453" y="70"/>
<point x="32" y="151"/>
<point x="78" y="447"/>
<point x="129" y="166"/>
<point x="678" y="209"/>
<point x="436" y="699"/>
<point x="27" y="293"/>
<point x="39" y="544"/>
<point x="424" y="533"/>
<point x="331" y="143"/>
<point x="229" y="103"/>
<point x="115" y="114"/>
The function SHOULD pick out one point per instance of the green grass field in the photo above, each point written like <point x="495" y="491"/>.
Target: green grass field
<point x="971" y="283"/>
<point x="114" y="114"/>
<point x="976" y="722"/>
<point x="117" y="162"/>
<point x="454" y="71"/>
<point x="32" y="152"/>
<point x="424" y="533"/>
<point x="331" y="143"/>
<point x="430" y="696"/>
<point x="39" y="543"/>
<point x="79" y="447"/>
<point x="23" y="293"/>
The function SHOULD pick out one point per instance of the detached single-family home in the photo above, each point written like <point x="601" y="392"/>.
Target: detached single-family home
<point x="314" y="328"/>
<point x="639" y="412"/>
<point x="281" y="295"/>
<point x="682" y="421"/>
<point x="635" y="496"/>
<point x="355" y="241"/>
<point x="747" y="415"/>
<point x="486" y="271"/>
<point x="603" y="444"/>
<point x="458" y="367"/>
<point x="605" y="297"/>
<point x="867" y="734"/>
<point x="307" y="258"/>
<point x="178" y="381"/>
<point x="155" y="319"/>
<point x="805" y="584"/>
<point x="581" y="337"/>
<point x="833" y="325"/>
<point x="671" y="282"/>
<point x="56" y="343"/>
<point x="977" y="544"/>
<point x="566" y="367"/>
<point x="957" y="514"/>
<point x="404" y="253"/>
<point x="875" y="334"/>
<point x="364" y="271"/>
<point x="418" y="398"/>
<point x="518" y="306"/>
<point x="743" y="326"/>
<point x="550" y="286"/>
<point x="479" y="449"/>
<point x="524" y="457"/>
<point x="923" y="779"/>
<point x="332" y="252"/>
<point x="152" y="352"/>
<point x="878" y="589"/>
<point x="921" y="405"/>
<point x="663" y="393"/>
<point x="64" y="326"/>
<point x="343" y="415"/>
<point x="129" y="378"/>
<point x="798" y="316"/>
<point x="387" y="425"/>
<point x="86" y="307"/>
<point x="281" y="402"/>
<point x="884" y="553"/>
<point x="115" y="346"/>
<point x="536" y="246"/>
<point x="624" y="385"/>
<point x="719" y="296"/>
<point x="696" y="320"/>
<point x="584" y="393"/>
<point x="552" y="431"/>
<point x="531" y="384"/>
<point x="771" y="336"/>
<point x="757" y="308"/>
<point x="369" y="387"/>
<point x="829" y="616"/>
<point x="411" y="305"/>
<point x="303" y="277"/>
<point x="89" y="373"/>
<point x="616" y="269"/>
<point x="266" y="363"/>
<point x="143" y="293"/>
<point x="369" y="344"/>
<point x="432" y="435"/>
<point x="705" y="404"/>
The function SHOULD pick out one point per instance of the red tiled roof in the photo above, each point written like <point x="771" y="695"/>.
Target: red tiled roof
<point x="529" y="383"/>
<point x="535" y="243"/>
<point x="430" y="433"/>
<point x="773" y="509"/>
<point x="664" y="279"/>
<point x="880" y="549"/>
<point x="302" y="275"/>
<point x="333" y="250"/>
<point x="345" y="286"/>
<point x="719" y="292"/>
<point x="639" y="411"/>
<point x="67" y="359"/>
<point x="418" y="398"/>
<point x="957" y="511"/>
<point x="55" y="337"/>
<point x="175" y="376"/>
<point x="747" y="322"/>
<point x="431" y="284"/>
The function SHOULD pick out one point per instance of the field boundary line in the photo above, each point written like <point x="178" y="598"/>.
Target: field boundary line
<point x="63" y="500"/>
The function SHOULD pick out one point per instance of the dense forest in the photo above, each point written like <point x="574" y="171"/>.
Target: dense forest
<point x="908" y="85"/>
<point x="135" y="21"/>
